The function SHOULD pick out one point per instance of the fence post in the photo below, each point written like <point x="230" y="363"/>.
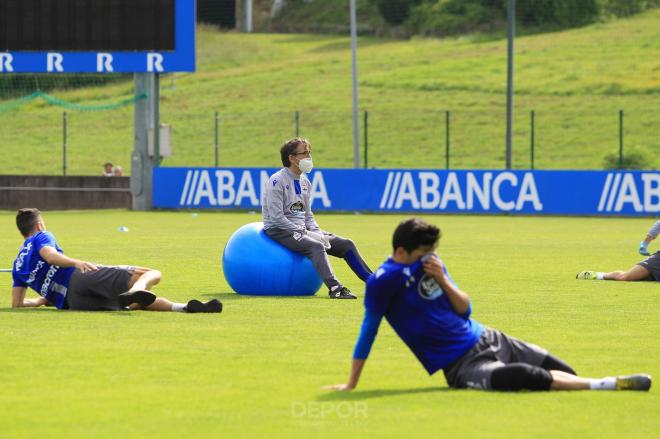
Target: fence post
<point x="366" y="139"/>
<point x="447" y="139"/>
<point x="620" y="139"/>
<point x="215" y="144"/>
<point x="64" y="124"/>
<point x="532" y="139"/>
<point x="297" y="123"/>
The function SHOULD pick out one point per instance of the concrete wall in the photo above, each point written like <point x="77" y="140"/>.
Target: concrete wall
<point x="60" y="193"/>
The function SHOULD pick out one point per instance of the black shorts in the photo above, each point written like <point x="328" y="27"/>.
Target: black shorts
<point x="98" y="290"/>
<point x="652" y="264"/>
<point x="493" y="350"/>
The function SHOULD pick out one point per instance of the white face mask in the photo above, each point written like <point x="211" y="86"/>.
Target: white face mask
<point x="306" y="165"/>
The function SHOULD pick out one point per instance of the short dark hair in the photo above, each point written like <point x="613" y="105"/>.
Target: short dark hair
<point x="414" y="233"/>
<point x="289" y="147"/>
<point x="27" y="219"/>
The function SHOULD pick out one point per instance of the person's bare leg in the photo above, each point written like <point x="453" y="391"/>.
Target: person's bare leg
<point x="634" y="274"/>
<point x="143" y="279"/>
<point x="160" y="304"/>
<point x="566" y="381"/>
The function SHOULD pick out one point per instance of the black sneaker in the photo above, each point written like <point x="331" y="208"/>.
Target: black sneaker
<point x="142" y="297"/>
<point x="341" y="293"/>
<point x="633" y="382"/>
<point x="195" y="306"/>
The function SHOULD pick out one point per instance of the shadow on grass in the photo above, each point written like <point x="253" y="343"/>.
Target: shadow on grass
<point x="332" y="395"/>
<point x="234" y="296"/>
<point x="27" y="310"/>
<point x="66" y="312"/>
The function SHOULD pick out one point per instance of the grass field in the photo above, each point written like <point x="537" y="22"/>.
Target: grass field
<point x="576" y="81"/>
<point x="256" y="369"/>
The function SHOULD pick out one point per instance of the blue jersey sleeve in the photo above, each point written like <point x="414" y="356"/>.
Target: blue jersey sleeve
<point x="44" y="239"/>
<point x="367" y="336"/>
<point x="381" y="286"/>
<point x="17" y="281"/>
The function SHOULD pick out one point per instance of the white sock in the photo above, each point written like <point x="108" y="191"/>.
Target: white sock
<point x="607" y="383"/>
<point x="179" y="307"/>
<point x="600" y="276"/>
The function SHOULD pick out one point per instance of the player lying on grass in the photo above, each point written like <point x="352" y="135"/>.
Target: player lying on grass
<point x="288" y="219"/>
<point x="69" y="283"/>
<point x="419" y="299"/>
<point x="648" y="269"/>
<point x="653" y="233"/>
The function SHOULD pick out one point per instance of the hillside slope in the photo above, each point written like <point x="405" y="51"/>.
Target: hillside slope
<point x="576" y="81"/>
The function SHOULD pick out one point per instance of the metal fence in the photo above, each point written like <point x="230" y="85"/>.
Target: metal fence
<point x="60" y="141"/>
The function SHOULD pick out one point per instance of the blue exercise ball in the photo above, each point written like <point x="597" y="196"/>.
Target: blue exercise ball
<point x="255" y="264"/>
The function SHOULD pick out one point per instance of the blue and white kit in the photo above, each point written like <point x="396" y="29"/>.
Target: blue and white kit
<point x="31" y="270"/>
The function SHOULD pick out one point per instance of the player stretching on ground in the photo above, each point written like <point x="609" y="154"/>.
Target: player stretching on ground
<point x="69" y="283"/>
<point x="415" y="293"/>
<point x="288" y="219"/>
<point x="648" y="269"/>
<point x="653" y="233"/>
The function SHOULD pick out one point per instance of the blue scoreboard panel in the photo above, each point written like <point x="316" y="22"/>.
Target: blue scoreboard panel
<point x="97" y="36"/>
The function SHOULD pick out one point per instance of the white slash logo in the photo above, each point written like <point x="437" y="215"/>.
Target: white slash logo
<point x="499" y="191"/>
<point x="620" y="189"/>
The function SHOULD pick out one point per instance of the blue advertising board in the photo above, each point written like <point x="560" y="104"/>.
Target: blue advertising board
<point x="633" y="193"/>
<point x="180" y="59"/>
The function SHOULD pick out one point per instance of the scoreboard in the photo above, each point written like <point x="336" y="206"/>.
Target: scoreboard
<point x="102" y="36"/>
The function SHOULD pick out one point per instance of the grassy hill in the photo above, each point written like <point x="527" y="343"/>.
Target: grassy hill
<point x="576" y="81"/>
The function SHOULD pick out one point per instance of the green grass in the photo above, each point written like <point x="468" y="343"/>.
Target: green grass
<point x="576" y="81"/>
<point x="248" y="371"/>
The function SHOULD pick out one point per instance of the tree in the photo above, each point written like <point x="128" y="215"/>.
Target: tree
<point x="395" y="12"/>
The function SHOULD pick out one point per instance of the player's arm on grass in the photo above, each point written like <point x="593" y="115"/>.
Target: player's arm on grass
<point x="381" y="287"/>
<point x="459" y="300"/>
<point x="18" y="299"/>
<point x="366" y="339"/>
<point x="50" y="255"/>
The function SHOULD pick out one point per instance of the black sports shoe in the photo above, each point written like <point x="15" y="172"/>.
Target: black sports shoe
<point x="195" y="306"/>
<point x="633" y="382"/>
<point x="341" y="293"/>
<point x="141" y="297"/>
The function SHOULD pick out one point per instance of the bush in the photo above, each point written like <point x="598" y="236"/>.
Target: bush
<point x="634" y="159"/>
<point x="445" y="17"/>
<point x="557" y="13"/>
<point x="395" y="12"/>
<point x="624" y="8"/>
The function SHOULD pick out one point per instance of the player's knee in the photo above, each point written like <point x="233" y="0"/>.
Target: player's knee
<point x="553" y="363"/>
<point x="315" y="247"/>
<point x="155" y="275"/>
<point x="345" y="246"/>
<point x="519" y="376"/>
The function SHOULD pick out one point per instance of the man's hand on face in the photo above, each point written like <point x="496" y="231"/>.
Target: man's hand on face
<point x="434" y="267"/>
